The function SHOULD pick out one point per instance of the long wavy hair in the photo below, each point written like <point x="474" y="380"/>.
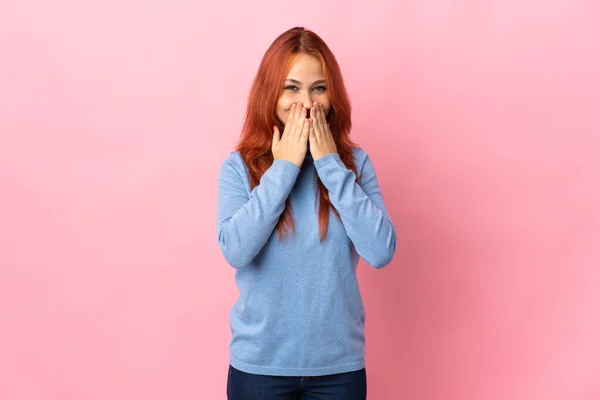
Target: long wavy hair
<point x="257" y="131"/>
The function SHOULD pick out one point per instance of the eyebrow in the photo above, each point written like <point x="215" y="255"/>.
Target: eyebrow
<point x="300" y="83"/>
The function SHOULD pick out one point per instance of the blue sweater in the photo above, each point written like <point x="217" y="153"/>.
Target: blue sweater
<point x="300" y="311"/>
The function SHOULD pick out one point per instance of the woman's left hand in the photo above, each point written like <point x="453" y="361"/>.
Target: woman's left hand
<point x="320" y="137"/>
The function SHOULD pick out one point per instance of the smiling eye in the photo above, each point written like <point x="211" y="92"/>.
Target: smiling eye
<point x="320" y="88"/>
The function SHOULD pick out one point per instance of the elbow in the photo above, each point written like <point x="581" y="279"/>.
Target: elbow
<point x="380" y="262"/>
<point x="383" y="257"/>
<point x="235" y="258"/>
<point x="234" y="254"/>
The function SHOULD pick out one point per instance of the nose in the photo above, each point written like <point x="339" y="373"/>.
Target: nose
<point x="307" y="101"/>
<point x="307" y="105"/>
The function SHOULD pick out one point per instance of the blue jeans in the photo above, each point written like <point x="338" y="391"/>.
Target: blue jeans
<point x="344" y="386"/>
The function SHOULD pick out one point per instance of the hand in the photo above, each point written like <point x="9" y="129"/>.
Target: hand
<point x="292" y="145"/>
<point x="320" y="137"/>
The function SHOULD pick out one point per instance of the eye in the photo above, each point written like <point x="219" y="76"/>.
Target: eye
<point x="319" y="88"/>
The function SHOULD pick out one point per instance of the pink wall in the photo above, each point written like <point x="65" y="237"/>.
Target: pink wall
<point x="482" y="118"/>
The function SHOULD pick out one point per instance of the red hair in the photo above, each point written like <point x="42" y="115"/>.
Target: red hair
<point x="257" y="132"/>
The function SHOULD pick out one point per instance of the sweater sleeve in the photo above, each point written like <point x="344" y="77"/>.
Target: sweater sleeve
<point x="245" y="222"/>
<point x="361" y="208"/>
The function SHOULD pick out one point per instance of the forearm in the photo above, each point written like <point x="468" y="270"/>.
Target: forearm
<point x="364" y="215"/>
<point x="244" y="230"/>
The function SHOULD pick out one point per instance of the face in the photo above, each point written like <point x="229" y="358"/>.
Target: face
<point x="305" y="84"/>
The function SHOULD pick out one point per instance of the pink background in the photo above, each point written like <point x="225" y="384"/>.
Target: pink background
<point x="482" y="118"/>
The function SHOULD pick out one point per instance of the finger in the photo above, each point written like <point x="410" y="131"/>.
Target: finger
<point x="294" y="123"/>
<point x="322" y="119"/>
<point x="314" y="132"/>
<point x="291" y="114"/>
<point x="289" y="124"/>
<point x="275" y="136"/>
<point x="306" y="131"/>
<point x="300" y="123"/>
<point x="298" y="111"/>
<point x="318" y="126"/>
<point x="311" y="132"/>
<point x="302" y="114"/>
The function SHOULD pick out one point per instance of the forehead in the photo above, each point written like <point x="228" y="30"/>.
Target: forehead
<point x="305" y="67"/>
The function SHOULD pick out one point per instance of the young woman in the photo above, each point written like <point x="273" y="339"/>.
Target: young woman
<point x="298" y="204"/>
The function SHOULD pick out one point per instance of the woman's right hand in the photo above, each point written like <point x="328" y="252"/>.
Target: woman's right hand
<point x="292" y="145"/>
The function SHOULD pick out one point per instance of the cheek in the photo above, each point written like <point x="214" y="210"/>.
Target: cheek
<point x="283" y="106"/>
<point x="326" y="107"/>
